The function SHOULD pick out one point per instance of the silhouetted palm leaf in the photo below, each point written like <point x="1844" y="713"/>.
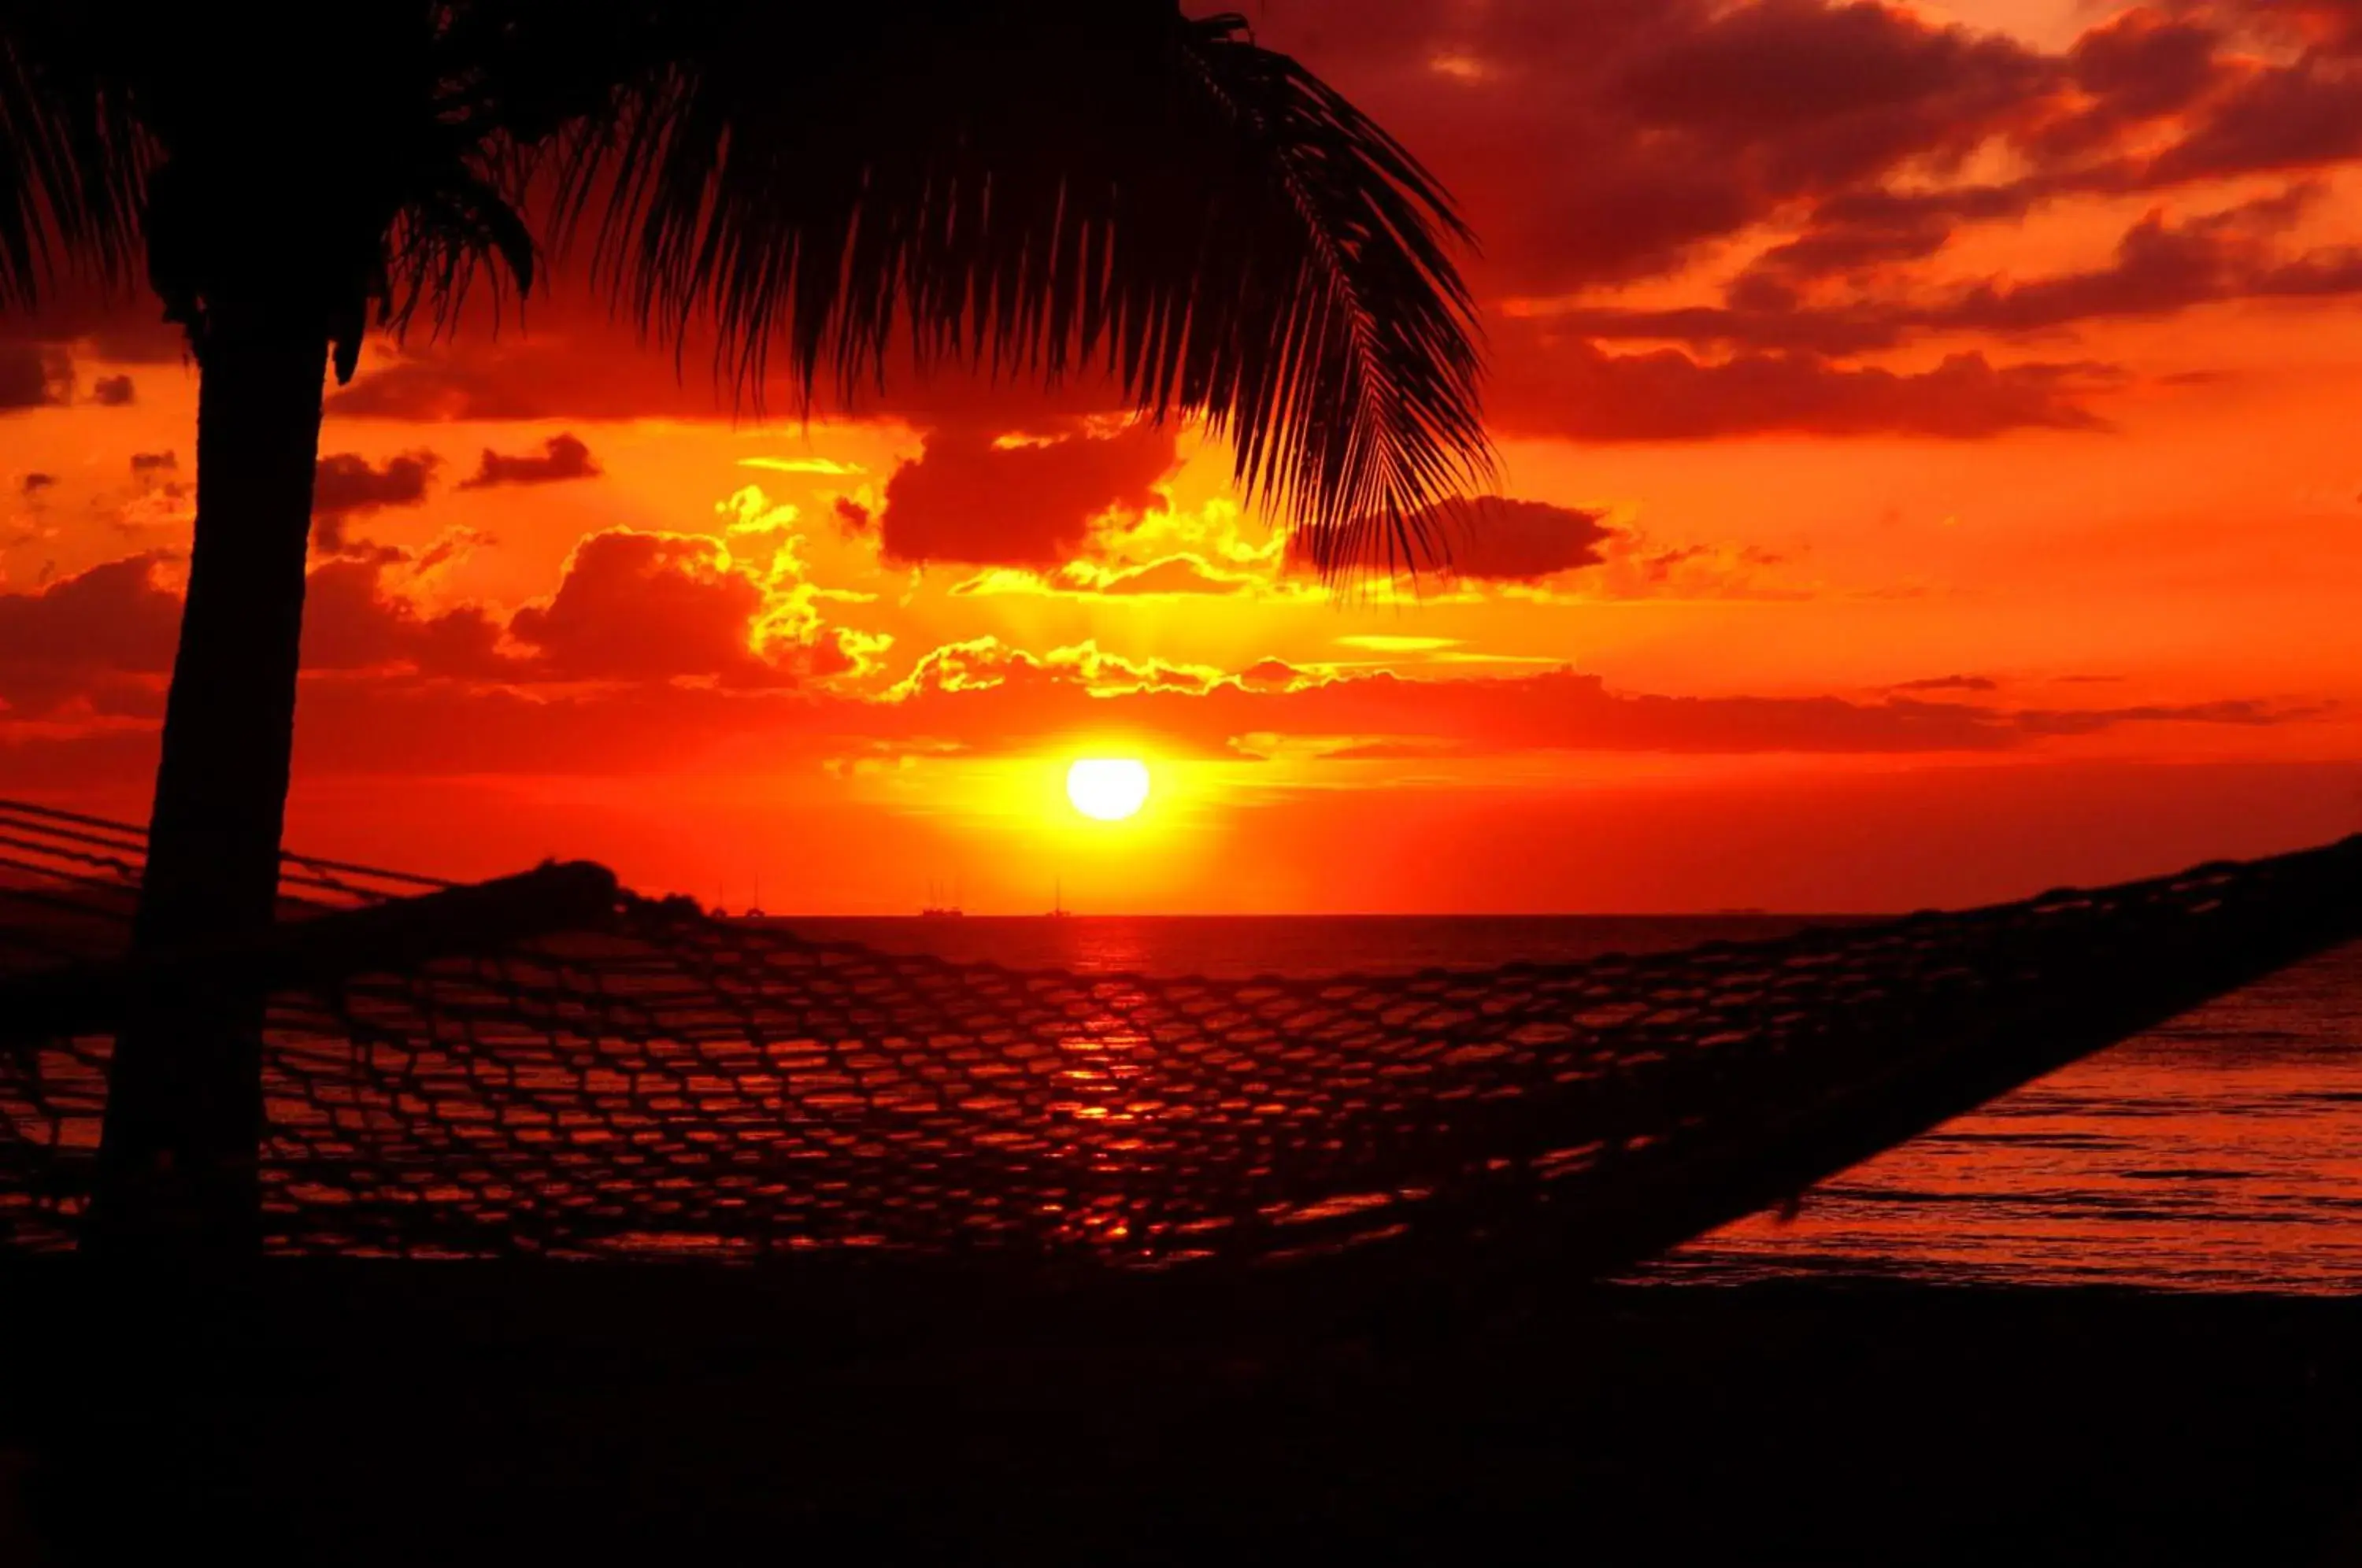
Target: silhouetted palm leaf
<point x="1048" y="186"/>
<point x="72" y="164"/>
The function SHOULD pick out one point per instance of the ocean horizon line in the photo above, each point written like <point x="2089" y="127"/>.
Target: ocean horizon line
<point x="1732" y="913"/>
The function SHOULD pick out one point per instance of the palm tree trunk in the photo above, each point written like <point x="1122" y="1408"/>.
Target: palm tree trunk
<point x="177" y="1158"/>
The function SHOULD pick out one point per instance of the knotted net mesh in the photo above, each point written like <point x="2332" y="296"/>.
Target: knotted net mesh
<point x="656" y="1082"/>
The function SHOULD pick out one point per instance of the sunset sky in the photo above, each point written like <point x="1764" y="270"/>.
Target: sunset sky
<point x="1930" y="472"/>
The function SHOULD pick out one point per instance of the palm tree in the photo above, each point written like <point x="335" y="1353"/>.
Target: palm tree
<point x="1042" y="187"/>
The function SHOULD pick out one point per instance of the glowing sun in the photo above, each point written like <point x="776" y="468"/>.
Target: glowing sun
<point x="1108" y="789"/>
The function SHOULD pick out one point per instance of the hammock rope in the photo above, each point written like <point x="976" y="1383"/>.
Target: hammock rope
<point x="548" y="1067"/>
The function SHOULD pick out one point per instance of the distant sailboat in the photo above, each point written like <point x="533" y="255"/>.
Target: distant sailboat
<point x="937" y="909"/>
<point x="1058" y="909"/>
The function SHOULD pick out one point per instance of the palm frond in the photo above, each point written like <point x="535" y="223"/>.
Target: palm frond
<point x="359" y="166"/>
<point x="73" y="162"/>
<point x="1045" y="187"/>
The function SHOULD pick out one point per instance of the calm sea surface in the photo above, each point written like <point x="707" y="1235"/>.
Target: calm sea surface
<point x="2223" y="1152"/>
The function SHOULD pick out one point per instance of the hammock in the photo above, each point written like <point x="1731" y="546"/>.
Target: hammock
<point x="547" y="1066"/>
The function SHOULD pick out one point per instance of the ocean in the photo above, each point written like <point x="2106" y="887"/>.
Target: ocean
<point x="2222" y="1152"/>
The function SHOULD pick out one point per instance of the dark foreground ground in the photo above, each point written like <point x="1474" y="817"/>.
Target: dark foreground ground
<point x="467" y="1413"/>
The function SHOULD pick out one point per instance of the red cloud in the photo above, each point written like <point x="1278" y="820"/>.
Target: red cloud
<point x="352" y="623"/>
<point x="1607" y="142"/>
<point x="1173" y="575"/>
<point x="1598" y="143"/>
<point x="578" y="364"/>
<point x="562" y="456"/>
<point x="2300" y="117"/>
<point x="658" y="607"/>
<point x="344" y="482"/>
<point x="2161" y="267"/>
<point x="109" y="322"/>
<point x="1603" y="142"/>
<point x="1825" y="95"/>
<point x="33" y="376"/>
<point x="1948" y="683"/>
<point x="632" y="608"/>
<point x="1275" y="673"/>
<point x="1835" y="247"/>
<point x="84" y="637"/>
<point x="970" y="499"/>
<point x="80" y="638"/>
<point x="1574" y="389"/>
<point x="987" y="664"/>
<point x="2137" y="68"/>
<point x="1495" y="539"/>
<point x="344" y="485"/>
<point x="575" y="364"/>
<point x="1169" y="577"/>
<point x="2334" y="27"/>
<point x="644" y="606"/>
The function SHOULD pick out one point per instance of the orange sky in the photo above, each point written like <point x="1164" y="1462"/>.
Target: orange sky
<point x="1930" y="475"/>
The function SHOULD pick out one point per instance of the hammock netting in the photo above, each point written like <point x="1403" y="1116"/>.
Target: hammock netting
<point x="585" y="1074"/>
